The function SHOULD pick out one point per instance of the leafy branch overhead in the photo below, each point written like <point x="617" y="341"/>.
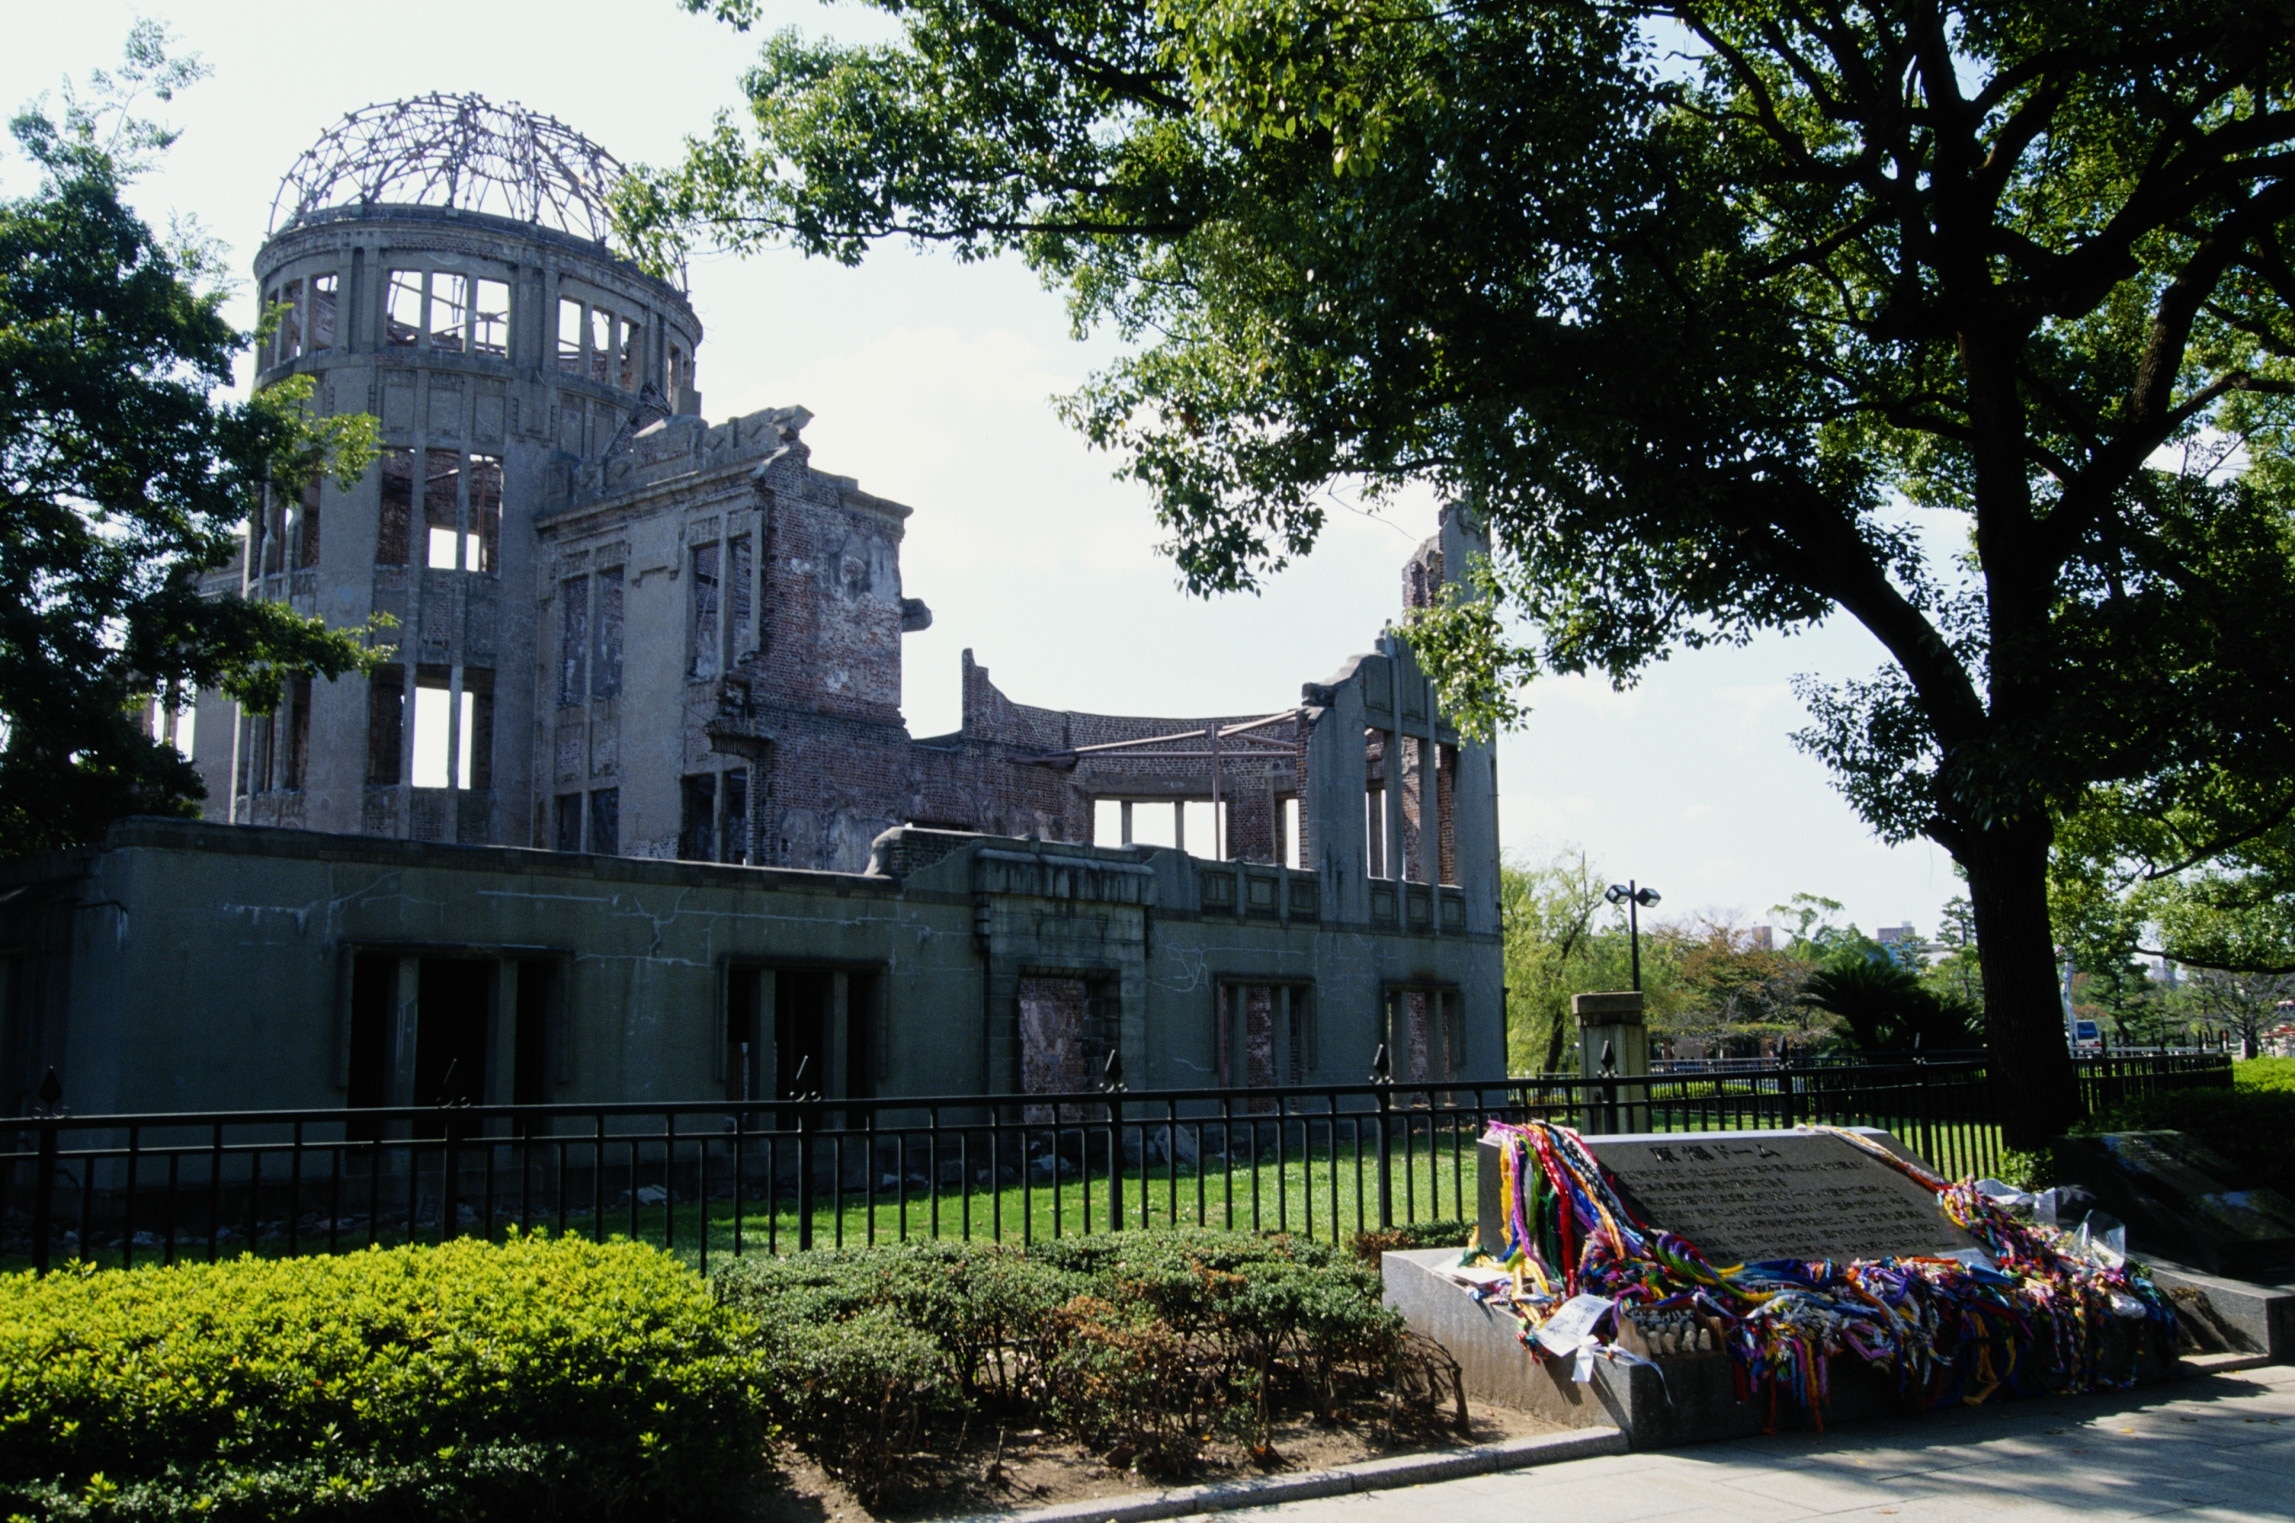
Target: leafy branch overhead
<point x="124" y="480"/>
<point x="1712" y="312"/>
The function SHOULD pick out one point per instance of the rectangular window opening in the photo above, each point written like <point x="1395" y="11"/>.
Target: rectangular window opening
<point x="606" y="822"/>
<point x="483" y="545"/>
<point x="397" y="520"/>
<point x="569" y="822"/>
<point x="600" y="344"/>
<point x="449" y="311"/>
<point x="569" y="336"/>
<point x="298" y="730"/>
<point x="441" y="509"/>
<point x="573" y="639"/>
<point x="629" y="336"/>
<point x="733" y="845"/>
<point x="697" y="828"/>
<point x="704" y="603"/>
<point x="386" y="723"/>
<point x="290" y="333"/>
<point x="1294" y="846"/>
<point x="1196" y="829"/>
<point x="740" y="572"/>
<point x="477" y="740"/>
<point x="402" y="308"/>
<point x="490" y="320"/>
<point x="434" y="746"/>
<point x="323" y="304"/>
<point x="307" y="527"/>
<point x="606" y="671"/>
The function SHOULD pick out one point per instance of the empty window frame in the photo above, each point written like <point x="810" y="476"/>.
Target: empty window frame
<point x="674" y="373"/>
<point x="483" y="547"/>
<point x="702" y="600"/>
<point x="462" y="511"/>
<point x="1425" y="1033"/>
<point x="740" y="573"/>
<point x="1291" y="850"/>
<point x="442" y="509"/>
<point x="298" y="730"/>
<point x="605" y="821"/>
<point x="402" y="308"/>
<point x="395" y="527"/>
<point x="573" y="640"/>
<point x="697" y="823"/>
<point x="1263" y="1034"/>
<point x="453" y="727"/>
<point x="606" y="665"/>
<point x="449" y="312"/>
<point x="626" y="347"/>
<point x="569" y="336"/>
<point x="305" y="515"/>
<point x="261" y="738"/>
<point x="599" y="343"/>
<point x="287" y="339"/>
<point x="320" y="331"/>
<point x="386" y="724"/>
<point x="714" y="817"/>
<point x="568" y="822"/>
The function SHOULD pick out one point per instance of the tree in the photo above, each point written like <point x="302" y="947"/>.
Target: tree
<point x="1884" y="1007"/>
<point x="123" y="479"/>
<point x="1693" y="304"/>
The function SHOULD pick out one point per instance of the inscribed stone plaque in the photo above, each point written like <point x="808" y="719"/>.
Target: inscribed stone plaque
<point x="1742" y="1196"/>
<point x="2180" y="1201"/>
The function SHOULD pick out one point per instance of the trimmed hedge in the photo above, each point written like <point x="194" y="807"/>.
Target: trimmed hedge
<point x="533" y="1379"/>
<point x="1139" y="1344"/>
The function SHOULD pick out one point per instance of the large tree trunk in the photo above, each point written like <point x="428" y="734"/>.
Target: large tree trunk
<point x="2033" y="1084"/>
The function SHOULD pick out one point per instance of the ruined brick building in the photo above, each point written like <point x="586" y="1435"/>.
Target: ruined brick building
<point x="622" y="632"/>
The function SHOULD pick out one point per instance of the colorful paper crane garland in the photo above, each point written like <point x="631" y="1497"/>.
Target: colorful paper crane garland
<point x="1945" y="1330"/>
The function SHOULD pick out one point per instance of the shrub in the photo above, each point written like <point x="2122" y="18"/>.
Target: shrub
<point x="535" y="1379"/>
<point x="1139" y="1344"/>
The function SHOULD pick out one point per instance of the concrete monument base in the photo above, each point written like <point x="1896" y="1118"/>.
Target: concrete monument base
<point x="1685" y="1398"/>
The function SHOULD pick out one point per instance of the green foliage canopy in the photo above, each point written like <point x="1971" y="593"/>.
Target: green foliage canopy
<point x="1687" y="301"/>
<point x="124" y="480"/>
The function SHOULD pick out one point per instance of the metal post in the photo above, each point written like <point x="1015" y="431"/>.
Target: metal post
<point x="1383" y="1078"/>
<point x="44" y="1183"/>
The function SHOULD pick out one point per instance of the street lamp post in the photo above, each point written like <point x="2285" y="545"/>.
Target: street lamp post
<point x="1634" y="897"/>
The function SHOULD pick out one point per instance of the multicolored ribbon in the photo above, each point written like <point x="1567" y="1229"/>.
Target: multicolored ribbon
<point x="1945" y="1330"/>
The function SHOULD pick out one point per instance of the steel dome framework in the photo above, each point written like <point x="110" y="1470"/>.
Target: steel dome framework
<point x="455" y="151"/>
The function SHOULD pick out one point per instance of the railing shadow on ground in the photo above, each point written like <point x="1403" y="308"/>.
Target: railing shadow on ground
<point x="708" y="1180"/>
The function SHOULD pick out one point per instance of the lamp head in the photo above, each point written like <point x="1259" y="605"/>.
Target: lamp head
<point x="1615" y="893"/>
<point x="1646" y="897"/>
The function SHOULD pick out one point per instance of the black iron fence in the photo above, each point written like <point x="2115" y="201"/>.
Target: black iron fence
<point x="708" y="1179"/>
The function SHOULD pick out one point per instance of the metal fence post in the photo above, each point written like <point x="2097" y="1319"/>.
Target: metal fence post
<point x="50" y="1116"/>
<point x="1383" y="1078"/>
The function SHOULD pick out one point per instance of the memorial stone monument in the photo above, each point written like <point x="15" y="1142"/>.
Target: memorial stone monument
<point x="2181" y="1202"/>
<point x="1742" y="1196"/>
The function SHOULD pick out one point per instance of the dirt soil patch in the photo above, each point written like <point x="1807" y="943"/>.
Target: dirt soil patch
<point x="1017" y="1471"/>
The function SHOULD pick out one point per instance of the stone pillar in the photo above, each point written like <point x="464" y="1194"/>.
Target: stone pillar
<point x="1611" y="1024"/>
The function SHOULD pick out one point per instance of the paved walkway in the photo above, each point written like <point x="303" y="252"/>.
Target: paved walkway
<point x="2216" y="1447"/>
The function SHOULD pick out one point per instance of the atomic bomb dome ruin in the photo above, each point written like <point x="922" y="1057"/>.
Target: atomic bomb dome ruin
<point x="632" y="812"/>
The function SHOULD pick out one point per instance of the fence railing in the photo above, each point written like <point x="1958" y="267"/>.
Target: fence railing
<point x="709" y="1179"/>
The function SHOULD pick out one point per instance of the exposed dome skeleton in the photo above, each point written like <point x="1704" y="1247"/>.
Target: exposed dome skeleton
<point x="455" y="151"/>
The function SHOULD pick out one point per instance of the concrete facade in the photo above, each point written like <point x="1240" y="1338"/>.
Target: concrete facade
<point x="639" y="739"/>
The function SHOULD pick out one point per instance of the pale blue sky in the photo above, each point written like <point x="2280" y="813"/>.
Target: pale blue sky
<point x="931" y="381"/>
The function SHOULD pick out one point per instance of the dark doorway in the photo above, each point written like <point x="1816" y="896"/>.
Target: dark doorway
<point x="801" y="1033"/>
<point x="744" y="1042"/>
<point x="537" y="991"/>
<point x="374" y="1007"/>
<point x="862" y="1052"/>
<point x="450" y="1030"/>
